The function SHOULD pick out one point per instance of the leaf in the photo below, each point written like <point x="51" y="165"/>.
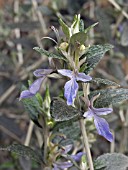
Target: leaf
<point x="111" y="162"/>
<point x="79" y="37"/>
<point x="104" y="81"/>
<point x="90" y="27"/>
<point x="47" y="101"/>
<point x="60" y="111"/>
<point x="94" y="55"/>
<point x="70" y="129"/>
<point x="24" y="151"/>
<point x="65" y="28"/>
<point x="33" y="108"/>
<point x="81" y="26"/>
<point x="48" y="54"/>
<point x="109" y="96"/>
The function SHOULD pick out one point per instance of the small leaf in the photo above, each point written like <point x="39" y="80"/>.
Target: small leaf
<point x="94" y="55"/>
<point x="104" y="81"/>
<point x="81" y="26"/>
<point x="24" y="151"/>
<point x="111" y="162"/>
<point x="79" y="37"/>
<point x="90" y="27"/>
<point x="48" y="54"/>
<point x="60" y="111"/>
<point x="32" y="106"/>
<point x="65" y="28"/>
<point x="47" y="101"/>
<point x="109" y="96"/>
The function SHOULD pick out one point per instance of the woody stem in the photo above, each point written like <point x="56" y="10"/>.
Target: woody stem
<point x="86" y="144"/>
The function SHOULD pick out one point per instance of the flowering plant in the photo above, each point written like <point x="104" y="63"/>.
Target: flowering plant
<point x="65" y="113"/>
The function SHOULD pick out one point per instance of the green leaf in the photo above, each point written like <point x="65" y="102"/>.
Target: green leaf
<point x="104" y="81"/>
<point x="76" y="24"/>
<point x="111" y="162"/>
<point x="60" y="111"/>
<point x="47" y="101"/>
<point x="32" y="106"/>
<point x="24" y="151"/>
<point x="79" y="37"/>
<point x="65" y="28"/>
<point x="48" y="54"/>
<point x="109" y="96"/>
<point x="70" y="129"/>
<point x="81" y="26"/>
<point x="90" y="27"/>
<point x="94" y="54"/>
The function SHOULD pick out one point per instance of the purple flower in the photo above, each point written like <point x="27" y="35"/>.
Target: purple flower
<point x="35" y="86"/>
<point x="62" y="165"/>
<point x="71" y="86"/>
<point x="100" y="123"/>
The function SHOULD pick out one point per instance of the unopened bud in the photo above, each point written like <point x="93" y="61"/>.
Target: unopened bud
<point x="63" y="46"/>
<point x="82" y="47"/>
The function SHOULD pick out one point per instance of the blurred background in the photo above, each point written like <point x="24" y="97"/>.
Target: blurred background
<point x="23" y="23"/>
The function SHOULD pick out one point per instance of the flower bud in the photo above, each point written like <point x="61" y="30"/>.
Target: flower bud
<point x="63" y="46"/>
<point x="82" y="47"/>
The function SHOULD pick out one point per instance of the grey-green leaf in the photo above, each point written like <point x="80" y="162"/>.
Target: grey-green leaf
<point x="81" y="26"/>
<point x="65" y="28"/>
<point x="70" y="129"/>
<point x="79" y="37"/>
<point x="60" y="111"/>
<point x="111" y="162"/>
<point x="48" y="54"/>
<point x="24" y="151"/>
<point x="104" y="81"/>
<point x="33" y="108"/>
<point x="94" y="55"/>
<point x="109" y="96"/>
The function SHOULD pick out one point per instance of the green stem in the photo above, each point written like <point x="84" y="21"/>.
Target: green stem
<point x="86" y="144"/>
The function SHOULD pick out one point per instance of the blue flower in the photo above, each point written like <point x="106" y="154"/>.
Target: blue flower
<point x="71" y="86"/>
<point x="35" y="86"/>
<point x="58" y="165"/>
<point x="101" y="124"/>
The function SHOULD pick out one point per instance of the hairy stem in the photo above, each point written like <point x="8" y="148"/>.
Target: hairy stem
<point x="86" y="144"/>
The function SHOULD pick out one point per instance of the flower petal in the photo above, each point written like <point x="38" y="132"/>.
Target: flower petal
<point x="71" y="88"/>
<point x="103" y="128"/>
<point x="83" y="77"/>
<point x="63" y="165"/>
<point x="78" y="156"/>
<point x="102" y="111"/>
<point x="89" y="114"/>
<point x="25" y="94"/>
<point x="67" y="149"/>
<point x="65" y="72"/>
<point x="42" y="72"/>
<point x="35" y="86"/>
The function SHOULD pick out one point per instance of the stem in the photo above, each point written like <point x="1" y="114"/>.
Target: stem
<point x="86" y="144"/>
